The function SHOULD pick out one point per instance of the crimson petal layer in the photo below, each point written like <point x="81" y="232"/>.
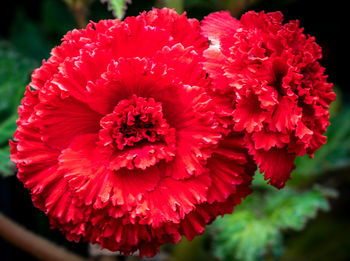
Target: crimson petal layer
<point x="269" y="74"/>
<point x="119" y="139"/>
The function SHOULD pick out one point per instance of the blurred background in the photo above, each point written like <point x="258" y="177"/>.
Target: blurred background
<point x="308" y="220"/>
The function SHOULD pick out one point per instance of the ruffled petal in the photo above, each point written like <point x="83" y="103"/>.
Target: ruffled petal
<point x="213" y="64"/>
<point x="63" y="119"/>
<point x="173" y="199"/>
<point x="183" y="30"/>
<point x="185" y="65"/>
<point x="266" y="140"/>
<point x="126" y="77"/>
<point x="286" y="116"/>
<point x="230" y="166"/>
<point x="87" y="172"/>
<point x="219" y="25"/>
<point x="276" y="164"/>
<point x="248" y="115"/>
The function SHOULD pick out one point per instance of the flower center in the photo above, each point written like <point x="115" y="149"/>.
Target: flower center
<point x="137" y="133"/>
<point x="280" y="70"/>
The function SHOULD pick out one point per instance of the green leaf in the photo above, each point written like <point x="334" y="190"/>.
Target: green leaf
<point x="6" y="166"/>
<point x="7" y="128"/>
<point x="178" y="5"/>
<point x="254" y="230"/>
<point x="14" y="75"/>
<point x="291" y="209"/>
<point x="242" y="236"/>
<point x="118" y="7"/>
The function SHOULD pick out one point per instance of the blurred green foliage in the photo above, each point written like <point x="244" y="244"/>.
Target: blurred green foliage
<point x="255" y="229"/>
<point x="14" y="75"/>
<point x="334" y="154"/>
<point x="118" y="7"/>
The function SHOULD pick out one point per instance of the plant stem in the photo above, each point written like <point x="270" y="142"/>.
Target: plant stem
<point x="79" y="12"/>
<point x="177" y="4"/>
<point x="237" y="7"/>
<point x="33" y="244"/>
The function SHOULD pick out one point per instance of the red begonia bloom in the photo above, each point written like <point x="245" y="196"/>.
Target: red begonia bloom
<point x="118" y="141"/>
<point x="268" y="75"/>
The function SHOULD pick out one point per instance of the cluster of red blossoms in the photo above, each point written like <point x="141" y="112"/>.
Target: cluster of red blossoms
<point x="273" y="84"/>
<point x="136" y="132"/>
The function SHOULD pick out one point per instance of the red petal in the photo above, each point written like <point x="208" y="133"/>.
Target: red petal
<point x="230" y="166"/>
<point x="141" y="157"/>
<point x="277" y="164"/>
<point x="185" y="64"/>
<point x="172" y="199"/>
<point x="86" y="171"/>
<point x="266" y="140"/>
<point x="183" y="30"/>
<point x="316" y="142"/>
<point x="248" y="115"/>
<point x="125" y="78"/>
<point x="303" y="132"/>
<point x="219" y="25"/>
<point x="64" y="119"/>
<point x="214" y="64"/>
<point x="268" y="96"/>
<point x="286" y="116"/>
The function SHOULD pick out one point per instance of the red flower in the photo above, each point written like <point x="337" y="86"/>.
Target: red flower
<point x="118" y="141"/>
<point x="268" y="75"/>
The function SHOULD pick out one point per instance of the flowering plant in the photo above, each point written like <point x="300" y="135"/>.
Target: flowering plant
<point x="271" y="80"/>
<point x="118" y="140"/>
<point x="137" y="132"/>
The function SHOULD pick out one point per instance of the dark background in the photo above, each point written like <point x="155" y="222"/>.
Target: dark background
<point x="326" y="20"/>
